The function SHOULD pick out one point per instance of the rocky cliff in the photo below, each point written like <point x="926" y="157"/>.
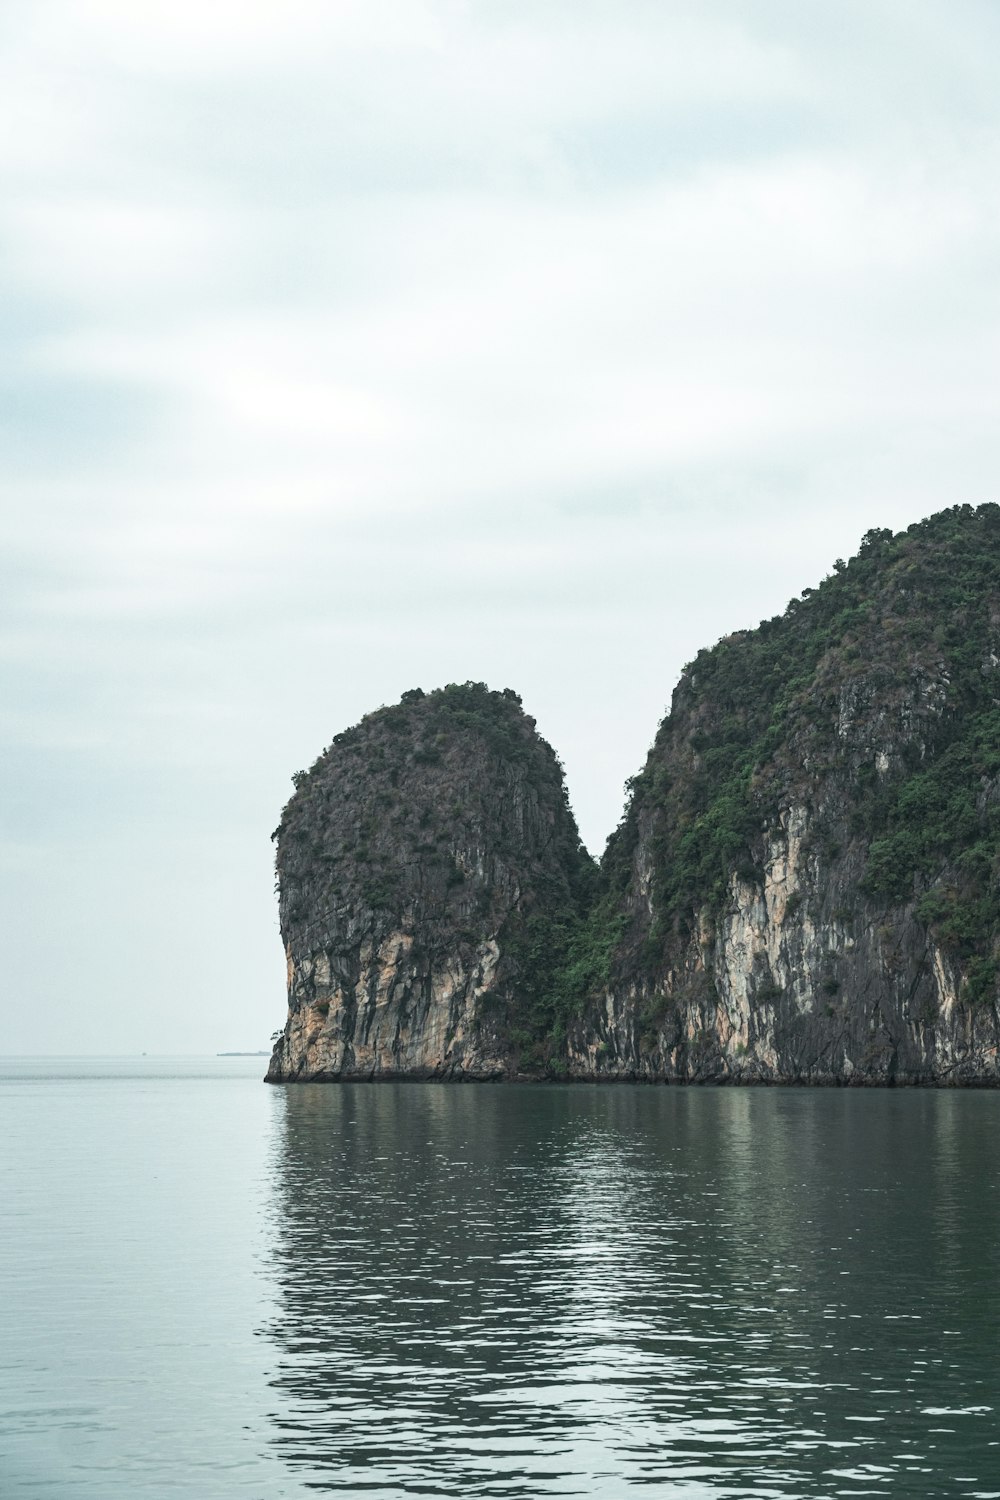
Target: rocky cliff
<point x="423" y="862"/>
<point x="805" y="885"/>
<point x="809" y="868"/>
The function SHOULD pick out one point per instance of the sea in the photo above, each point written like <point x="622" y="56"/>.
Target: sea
<point x="214" y="1288"/>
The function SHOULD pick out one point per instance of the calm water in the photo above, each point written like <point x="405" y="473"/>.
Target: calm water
<point x="212" y="1288"/>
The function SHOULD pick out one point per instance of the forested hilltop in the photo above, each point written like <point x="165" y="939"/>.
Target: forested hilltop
<point x="418" y="861"/>
<point x="804" y="885"/>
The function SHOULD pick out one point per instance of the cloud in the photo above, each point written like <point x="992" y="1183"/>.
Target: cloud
<point x="349" y="346"/>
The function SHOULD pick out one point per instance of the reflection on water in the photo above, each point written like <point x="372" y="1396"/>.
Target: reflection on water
<point x="216" y="1289"/>
<point x="528" y="1291"/>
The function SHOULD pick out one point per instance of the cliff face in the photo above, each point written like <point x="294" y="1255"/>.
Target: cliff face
<point x="809" y="869"/>
<point x="805" y="885"/>
<point x="415" y="861"/>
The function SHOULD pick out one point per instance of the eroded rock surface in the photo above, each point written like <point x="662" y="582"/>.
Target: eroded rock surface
<point x="805" y="885"/>
<point x="808" y="874"/>
<point x="414" y="861"/>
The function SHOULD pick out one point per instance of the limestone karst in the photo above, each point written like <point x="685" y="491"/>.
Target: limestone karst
<point x="805" y="885"/>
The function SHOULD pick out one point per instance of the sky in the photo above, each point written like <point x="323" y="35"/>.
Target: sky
<point x="353" y="345"/>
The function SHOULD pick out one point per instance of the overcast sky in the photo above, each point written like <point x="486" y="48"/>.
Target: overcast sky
<point x="353" y="346"/>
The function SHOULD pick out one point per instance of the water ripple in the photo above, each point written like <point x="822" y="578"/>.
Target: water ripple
<point x="212" y="1288"/>
<point x="524" y="1292"/>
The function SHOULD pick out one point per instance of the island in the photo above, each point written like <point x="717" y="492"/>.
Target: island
<point x="804" y="886"/>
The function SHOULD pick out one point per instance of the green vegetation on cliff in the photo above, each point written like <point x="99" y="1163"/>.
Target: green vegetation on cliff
<point x="430" y="857"/>
<point x="879" y="689"/>
<point x="444" y="817"/>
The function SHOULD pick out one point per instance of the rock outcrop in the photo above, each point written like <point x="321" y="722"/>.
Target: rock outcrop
<point x="415" y="862"/>
<point x="809" y="868"/>
<point x="805" y="886"/>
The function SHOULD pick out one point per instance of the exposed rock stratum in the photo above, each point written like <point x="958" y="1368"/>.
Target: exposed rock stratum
<point x="415" y="861"/>
<point x="805" y="885"/>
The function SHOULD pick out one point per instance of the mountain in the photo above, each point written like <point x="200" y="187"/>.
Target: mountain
<point x="429" y="872"/>
<point x="805" y="885"/>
